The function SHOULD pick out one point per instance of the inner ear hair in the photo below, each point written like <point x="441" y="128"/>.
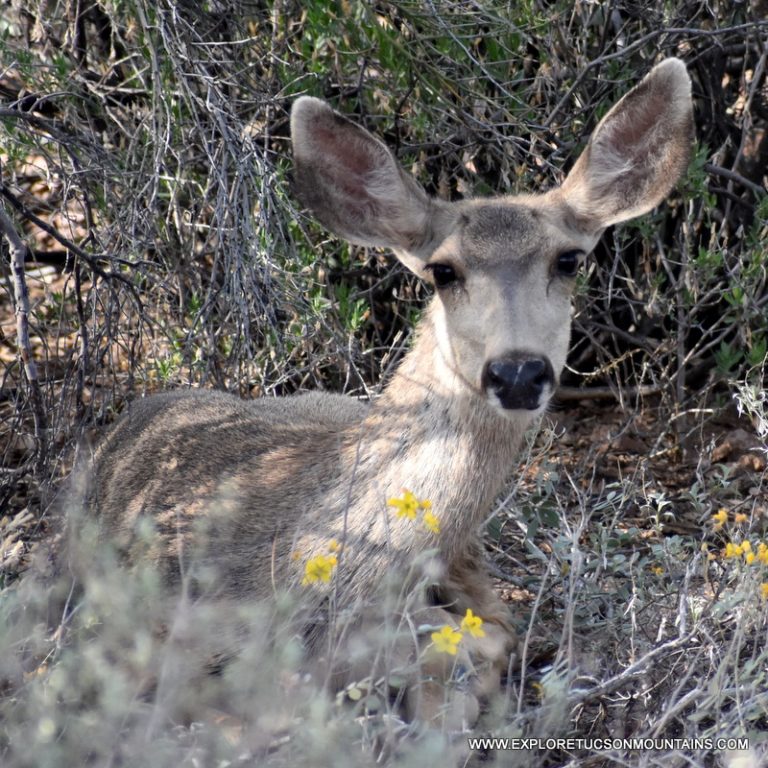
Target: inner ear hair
<point x="637" y="152"/>
<point x="353" y="183"/>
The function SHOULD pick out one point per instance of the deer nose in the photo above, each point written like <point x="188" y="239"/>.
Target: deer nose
<point x="519" y="380"/>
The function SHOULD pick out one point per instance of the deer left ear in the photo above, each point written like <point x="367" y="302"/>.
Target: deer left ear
<point x="637" y="152"/>
<point x="353" y="183"/>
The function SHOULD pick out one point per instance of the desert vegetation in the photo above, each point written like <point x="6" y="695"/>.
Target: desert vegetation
<point x="151" y="241"/>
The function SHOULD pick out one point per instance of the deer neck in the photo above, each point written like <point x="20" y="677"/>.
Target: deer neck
<point x="434" y="435"/>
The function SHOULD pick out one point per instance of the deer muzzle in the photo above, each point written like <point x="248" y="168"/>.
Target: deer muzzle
<point x="519" y="380"/>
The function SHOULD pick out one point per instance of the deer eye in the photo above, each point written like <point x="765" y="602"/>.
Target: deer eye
<point x="443" y="275"/>
<point x="568" y="263"/>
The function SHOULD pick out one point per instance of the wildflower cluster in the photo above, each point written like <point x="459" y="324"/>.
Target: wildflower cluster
<point x="751" y="555"/>
<point x="447" y="639"/>
<point x="409" y="506"/>
<point x="320" y="568"/>
<point x="720" y="518"/>
<point x="745" y="549"/>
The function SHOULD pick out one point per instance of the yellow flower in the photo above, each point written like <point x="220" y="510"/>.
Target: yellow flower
<point x="732" y="550"/>
<point x="658" y="570"/>
<point x="764" y="591"/>
<point x="745" y="548"/>
<point x="740" y="517"/>
<point x="762" y="553"/>
<point x="721" y="518"/>
<point x="431" y="522"/>
<point x="319" y="568"/>
<point x="447" y="640"/>
<point x="472" y="625"/>
<point x="408" y="506"/>
<point x="333" y="546"/>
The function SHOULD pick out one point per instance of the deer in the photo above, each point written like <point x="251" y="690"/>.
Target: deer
<point x="255" y="491"/>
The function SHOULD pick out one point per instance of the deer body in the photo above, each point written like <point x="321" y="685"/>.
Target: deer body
<point x="276" y="480"/>
<point x="328" y="475"/>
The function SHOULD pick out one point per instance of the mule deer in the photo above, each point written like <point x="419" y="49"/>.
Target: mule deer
<point x="277" y="480"/>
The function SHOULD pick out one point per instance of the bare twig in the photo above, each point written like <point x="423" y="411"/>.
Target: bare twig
<point x="717" y="170"/>
<point x="52" y="231"/>
<point x="570" y="394"/>
<point x="642" y="42"/>
<point x="18" y="252"/>
<point x="632" y="672"/>
<point x="76" y="250"/>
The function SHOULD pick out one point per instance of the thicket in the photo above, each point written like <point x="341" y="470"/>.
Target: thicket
<point x="145" y="157"/>
<point x="150" y="238"/>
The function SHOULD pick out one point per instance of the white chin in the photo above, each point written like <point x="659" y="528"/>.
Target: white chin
<point x="529" y="410"/>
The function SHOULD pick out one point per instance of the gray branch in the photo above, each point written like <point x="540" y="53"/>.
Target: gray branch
<point x="18" y="251"/>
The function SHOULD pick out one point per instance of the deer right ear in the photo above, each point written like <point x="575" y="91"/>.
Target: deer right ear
<point x="352" y="182"/>
<point x="637" y="152"/>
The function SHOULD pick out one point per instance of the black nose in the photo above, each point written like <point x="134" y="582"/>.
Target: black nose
<point x="519" y="380"/>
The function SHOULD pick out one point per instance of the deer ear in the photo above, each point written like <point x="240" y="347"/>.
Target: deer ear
<point x="637" y="152"/>
<point x="352" y="182"/>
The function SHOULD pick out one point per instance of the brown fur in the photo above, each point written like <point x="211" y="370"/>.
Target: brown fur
<point x="253" y="489"/>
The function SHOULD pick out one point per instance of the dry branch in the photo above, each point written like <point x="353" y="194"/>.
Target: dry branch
<point x="18" y="251"/>
<point x="576" y="394"/>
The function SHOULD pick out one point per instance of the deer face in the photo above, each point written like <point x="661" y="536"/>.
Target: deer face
<point x="503" y="280"/>
<point x="504" y="268"/>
